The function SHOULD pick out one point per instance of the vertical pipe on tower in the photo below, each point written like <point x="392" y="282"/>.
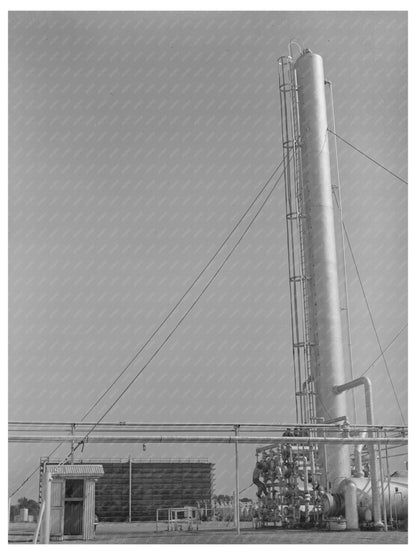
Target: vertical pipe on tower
<point x="320" y="255"/>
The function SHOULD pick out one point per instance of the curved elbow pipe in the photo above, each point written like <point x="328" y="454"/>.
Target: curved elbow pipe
<point x="368" y="392"/>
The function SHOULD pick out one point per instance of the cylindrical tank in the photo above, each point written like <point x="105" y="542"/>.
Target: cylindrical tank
<point x="24" y="515"/>
<point x="398" y="498"/>
<point x="321" y="257"/>
<point x="334" y="505"/>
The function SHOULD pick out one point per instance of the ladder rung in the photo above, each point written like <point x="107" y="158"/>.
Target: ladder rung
<point x="298" y="278"/>
<point x="292" y="216"/>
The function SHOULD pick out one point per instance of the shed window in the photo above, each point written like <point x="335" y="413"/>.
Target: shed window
<point x="74" y="489"/>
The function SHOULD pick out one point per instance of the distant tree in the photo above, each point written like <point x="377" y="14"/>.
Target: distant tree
<point x="30" y="504"/>
<point x="22" y="502"/>
<point x="14" y="510"/>
<point x="33" y="507"/>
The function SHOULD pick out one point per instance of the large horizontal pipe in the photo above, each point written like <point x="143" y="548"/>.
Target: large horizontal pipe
<point x="124" y="423"/>
<point x="171" y="427"/>
<point x="161" y="431"/>
<point x="193" y="424"/>
<point x="202" y="439"/>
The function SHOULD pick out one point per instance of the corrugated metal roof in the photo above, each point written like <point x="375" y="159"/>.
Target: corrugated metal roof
<point x="139" y="460"/>
<point x="76" y="469"/>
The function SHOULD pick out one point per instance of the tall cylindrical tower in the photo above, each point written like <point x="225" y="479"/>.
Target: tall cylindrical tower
<point x="325" y="330"/>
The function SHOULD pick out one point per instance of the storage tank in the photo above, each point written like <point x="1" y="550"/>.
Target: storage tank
<point x="24" y="515"/>
<point x="395" y="498"/>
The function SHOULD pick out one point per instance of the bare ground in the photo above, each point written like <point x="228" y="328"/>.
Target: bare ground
<point x="218" y="533"/>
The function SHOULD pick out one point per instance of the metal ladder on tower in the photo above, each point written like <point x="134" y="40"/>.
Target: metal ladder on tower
<point x="302" y="344"/>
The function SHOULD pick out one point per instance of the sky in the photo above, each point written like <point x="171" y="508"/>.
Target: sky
<point x="136" y="142"/>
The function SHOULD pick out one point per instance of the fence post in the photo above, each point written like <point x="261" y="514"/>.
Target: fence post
<point x="237" y="485"/>
<point x="130" y="470"/>
<point x="46" y="528"/>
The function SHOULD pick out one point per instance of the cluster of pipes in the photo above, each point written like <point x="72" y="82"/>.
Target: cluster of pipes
<point x="287" y="488"/>
<point x="291" y="489"/>
<point x="292" y="493"/>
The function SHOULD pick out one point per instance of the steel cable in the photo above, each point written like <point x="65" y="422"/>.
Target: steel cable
<point x="213" y="257"/>
<point x="180" y="320"/>
<point x="368" y="157"/>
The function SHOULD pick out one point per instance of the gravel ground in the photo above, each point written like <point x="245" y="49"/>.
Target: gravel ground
<point x="144" y="533"/>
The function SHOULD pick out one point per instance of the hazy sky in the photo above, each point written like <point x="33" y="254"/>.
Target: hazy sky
<point x="137" y="140"/>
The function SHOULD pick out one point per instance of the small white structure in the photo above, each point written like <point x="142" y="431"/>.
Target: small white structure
<point x="72" y="500"/>
<point x="24" y="515"/>
<point x="178" y="518"/>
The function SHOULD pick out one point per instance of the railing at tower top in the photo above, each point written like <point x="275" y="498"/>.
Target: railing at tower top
<point x="302" y="343"/>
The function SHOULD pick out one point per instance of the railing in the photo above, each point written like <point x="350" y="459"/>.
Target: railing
<point x="175" y="521"/>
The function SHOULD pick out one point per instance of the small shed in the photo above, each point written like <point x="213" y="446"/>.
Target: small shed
<point x="73" y="500"/>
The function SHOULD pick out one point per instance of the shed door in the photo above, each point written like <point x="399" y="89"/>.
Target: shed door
<point x="74" y="507"/>
<point x="57" y="506"/>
